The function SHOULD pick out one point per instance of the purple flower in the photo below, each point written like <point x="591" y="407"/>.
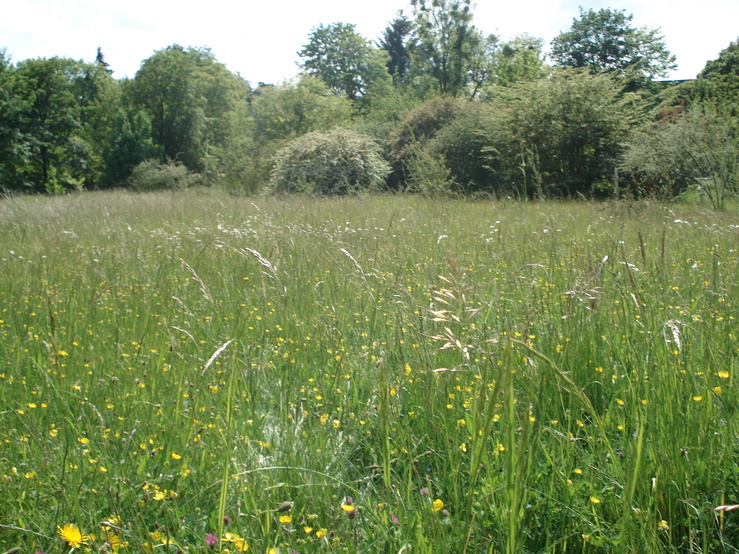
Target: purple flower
<point x="394" y="519"/>
<point x="211" y="539"/>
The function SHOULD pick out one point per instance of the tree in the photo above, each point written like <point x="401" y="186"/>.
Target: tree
<point x="448" y="50"/>
<point x="604" y="40"/>
<point x="130" y="144"/>
<point x="395" y="42"/>
<point x="58" y="108"/>
<point x="293" y="109"/>
<point x="100" y="60"/>
<point x="190" y="98"/>
<point x="343" y="59"/>
<point x="519" y="60"/>
<point x="718" y="83"/>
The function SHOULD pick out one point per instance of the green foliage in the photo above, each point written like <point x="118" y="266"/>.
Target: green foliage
<point x="130" y="144"/>
<point x="395" y="42"/>
<point x="699" y="149"/>
<point x="55" y="117"/>
<point x="293" y="109"/>
<point x="449" y="54"/>
<point x="563" y="136"/>
<point x="429" y="174"/>
<point x="150" y="175"/>
<point x="604" y="40"/>
<point x="338" y="161"/>
<point x="468" y="144"/>
<point x="419" y="126"/>
<point x="343" y="59"/>
<point x="190" y="98"/>
<point x="718" y="83"/>
<point x="520" y="59"/>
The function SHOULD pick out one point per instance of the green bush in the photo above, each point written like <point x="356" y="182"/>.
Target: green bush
<point x="339" y="161"/>
<point x="151" y="175"/>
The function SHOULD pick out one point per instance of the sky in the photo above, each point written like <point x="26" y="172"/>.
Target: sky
<point x="259" y="39"/>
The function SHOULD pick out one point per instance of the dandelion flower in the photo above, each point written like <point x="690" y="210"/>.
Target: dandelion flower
<point x="72" y="535"/>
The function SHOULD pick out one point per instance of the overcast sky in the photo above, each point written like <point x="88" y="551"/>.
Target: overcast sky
<point x="260" y="39"/>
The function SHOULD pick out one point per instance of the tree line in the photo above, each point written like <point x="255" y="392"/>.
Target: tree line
<point x="434" y="106"/>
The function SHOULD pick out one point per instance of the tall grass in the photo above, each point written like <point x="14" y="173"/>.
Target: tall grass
<point x="374" y="374"/>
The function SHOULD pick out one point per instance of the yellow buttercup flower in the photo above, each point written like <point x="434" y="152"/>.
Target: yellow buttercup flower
<point x="438" y="505"/>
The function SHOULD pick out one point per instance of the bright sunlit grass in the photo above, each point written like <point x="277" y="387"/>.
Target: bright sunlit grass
<point x="200" y="372"/>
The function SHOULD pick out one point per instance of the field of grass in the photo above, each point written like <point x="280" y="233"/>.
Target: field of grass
<point x="193" y="372"/>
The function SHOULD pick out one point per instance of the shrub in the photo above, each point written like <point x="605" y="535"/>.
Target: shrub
<point x="151" y="175"/>
<point x="418" y="127"/>
<point x="338" y="161"/>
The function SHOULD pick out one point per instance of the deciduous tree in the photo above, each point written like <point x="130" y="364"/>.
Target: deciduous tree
<point x="605" y="40"/>
<point x="343" y="59"/>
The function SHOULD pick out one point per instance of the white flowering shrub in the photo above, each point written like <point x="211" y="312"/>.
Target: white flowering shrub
<point x="339" y="161"/>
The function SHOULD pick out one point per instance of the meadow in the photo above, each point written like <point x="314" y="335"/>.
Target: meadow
<point x="193" y="372"/>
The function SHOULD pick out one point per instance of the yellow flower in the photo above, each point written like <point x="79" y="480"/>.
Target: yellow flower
<point x="321" y="533"/>
<point x="438" y="505"/>
<point x="663" y="525"/>
<point x="114" y="541"/>
<point x="308" y="530"/>
<point x="723" y="374"/>
<point x="72" y="535"/>
<point x="594" y="500"/>
<point x="348" y="508"/>
<point x="463" y="447"/>
<point x="285" y="519"/>
<point x="241" y="545"/>
<point x="176" y="456"/>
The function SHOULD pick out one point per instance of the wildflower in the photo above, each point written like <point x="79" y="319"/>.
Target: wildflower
<point x="308" y="530"/>
<point x="285" y="519"/>
<point x="114" y="541"/>
<point x="72" y="535"/>
<point x="321" y="533"/>
<point x="438" y="505"/>
<point x="394" y="519"/>
<point x="723" y="374"/>
<point x="176" y="456"/>
<point x="697" y="398"/>
<point x="463" y="447"/>
<point x="350" y="510"/>
<point x="240" y="545"/>
<point x="594" y="500"/>
<point x="663" y="525"/>
<point x="211" y="539"/>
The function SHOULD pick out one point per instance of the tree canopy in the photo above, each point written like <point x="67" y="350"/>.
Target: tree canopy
<point x="343" y="59"/>
<point x="605" y="40"/>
